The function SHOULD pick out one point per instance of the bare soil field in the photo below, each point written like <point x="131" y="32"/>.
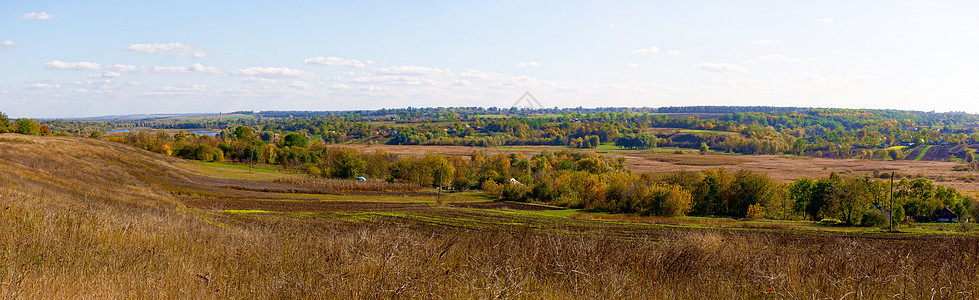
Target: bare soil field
<point x="783" y="168"/>
<point x="506" y="206"/>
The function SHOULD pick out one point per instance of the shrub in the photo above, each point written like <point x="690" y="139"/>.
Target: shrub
<point x="492" y="189"/>
<point x="873" y="217"/>
<point x="514" y="192"/>
<point x="201" y="152"/>
<point x="543" y="191"/>
<point x="662" y="200"/>
<point x="755" y="211"/>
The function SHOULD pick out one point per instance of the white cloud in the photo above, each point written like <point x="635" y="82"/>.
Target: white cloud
<point x="184" y="89"/>
<point x="300" y="85"/>
<point x="83" y="65"/>
<point x="7" y="43"/>
<point x="116" y="69"/>
<point x="783" y="58"/>
<point x="477" y="74"/>
<point x="766" y="42"/>
<point x="749" y="62"/>
<point x="336" y="61"/>
<point x="650" y="50"/>
<point x="259" y="80"/>
<point x="272" y="72"/>
<point x="45" y="86"/>
<point x="462" y="82"/>
<point x="528" y="64"/>
<point x="36" y="16"/>
<point x="632" y="65"/>
<point x="106" y="74"/>
<point x="720" y="68"/>
<point x="159" y="69"/>
<point x="674" y="52"/>
<point x="393" y="79"/>
<point x="411" y="70"/>
<point x="825" y="20"/>
<point x="175" y="49"/>
<point x="122" y="68"/>
<point x="340" y="86"/>
<point x="610" y="26"/>
<point x="202" y="69"/>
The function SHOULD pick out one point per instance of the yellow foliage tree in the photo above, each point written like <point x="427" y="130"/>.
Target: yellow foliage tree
<point x="755" y="211"/>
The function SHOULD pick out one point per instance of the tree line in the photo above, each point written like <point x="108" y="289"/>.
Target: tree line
<point x="585" y="180"/>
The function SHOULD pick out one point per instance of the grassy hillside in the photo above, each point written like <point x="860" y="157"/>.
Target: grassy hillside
<point x="87" y="218"/>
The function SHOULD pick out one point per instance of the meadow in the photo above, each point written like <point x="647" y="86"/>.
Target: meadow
<point x="89" y="218"/>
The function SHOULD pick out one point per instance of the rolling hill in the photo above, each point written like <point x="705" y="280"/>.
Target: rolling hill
<point x="84" y="218"/>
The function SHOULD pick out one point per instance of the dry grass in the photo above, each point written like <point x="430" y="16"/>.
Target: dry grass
<point x="347" y="185"/>
<point x="86" y="219"/>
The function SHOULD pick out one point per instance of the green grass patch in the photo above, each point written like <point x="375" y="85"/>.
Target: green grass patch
<point x="609" y="146"/>
<point x="921" y="154"/>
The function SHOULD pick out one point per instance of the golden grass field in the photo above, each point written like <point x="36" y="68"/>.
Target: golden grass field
<point x="84" y="218"/>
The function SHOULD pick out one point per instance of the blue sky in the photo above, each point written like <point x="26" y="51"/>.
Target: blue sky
<point x="90" y="58"/>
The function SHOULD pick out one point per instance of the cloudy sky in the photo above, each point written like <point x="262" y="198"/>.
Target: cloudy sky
<point x="91" y="58"/>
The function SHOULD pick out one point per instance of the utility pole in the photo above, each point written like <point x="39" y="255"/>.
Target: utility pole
<point x="891" y="195"/>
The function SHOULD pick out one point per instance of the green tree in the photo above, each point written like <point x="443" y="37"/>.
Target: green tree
<point x="896" y="154"/>
<point x="593" y="141"/>
<point x="295" y="140"/>
<point x="750" y="188"/>
<point x="854" y="199"/>
<point x="347" y="164"/>
<point x="802" y="192"/>
<point x="244" y="133"/>
<point x="5" y="125"/>
<point x="28" y="126"/>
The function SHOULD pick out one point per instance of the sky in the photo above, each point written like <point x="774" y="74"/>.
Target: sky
<point x="96" y="58"/>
